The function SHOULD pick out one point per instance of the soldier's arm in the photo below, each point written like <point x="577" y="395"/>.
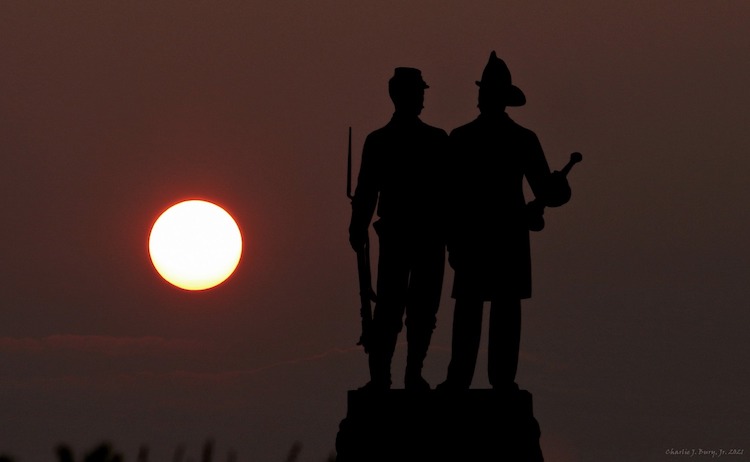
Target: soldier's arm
<point x="456" y="178"/>
<point x="551" y="188"/>
<point x="537" y="169"/>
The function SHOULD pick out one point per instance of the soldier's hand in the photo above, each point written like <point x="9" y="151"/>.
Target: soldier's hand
<point x="535" y="215"/>
<point x="557" y="192"/>
<point x="358" y="239"/>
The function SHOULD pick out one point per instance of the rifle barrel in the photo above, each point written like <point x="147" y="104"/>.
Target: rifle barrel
<point x="349" y="168"/>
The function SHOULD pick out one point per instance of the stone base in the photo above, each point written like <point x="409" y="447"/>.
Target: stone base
<point x="399" y="425"/>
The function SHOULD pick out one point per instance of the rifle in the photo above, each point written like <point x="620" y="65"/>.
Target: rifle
<point x="366" y="293"/>
<point x="535" y="208"/>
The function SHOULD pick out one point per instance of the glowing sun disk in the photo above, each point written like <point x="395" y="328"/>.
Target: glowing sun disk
<point x="195" y="245"/>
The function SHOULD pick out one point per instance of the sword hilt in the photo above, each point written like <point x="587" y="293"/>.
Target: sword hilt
<point x="574" y="159"/>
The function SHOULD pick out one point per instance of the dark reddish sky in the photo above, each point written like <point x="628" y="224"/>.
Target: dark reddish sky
<point x="635" y="341"/>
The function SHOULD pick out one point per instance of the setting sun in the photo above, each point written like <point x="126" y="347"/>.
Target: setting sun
<point x="195" y="245"/>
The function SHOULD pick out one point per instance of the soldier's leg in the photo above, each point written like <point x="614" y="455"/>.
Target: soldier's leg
<point x="423" y="301"/>
<point x="392" y="283"/>
<point x="467" y="330"/>
<point x="504" y="342"/>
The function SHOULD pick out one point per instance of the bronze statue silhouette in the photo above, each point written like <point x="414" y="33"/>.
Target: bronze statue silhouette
<point x="401" y="178"/>
<point x="489" y="222"/>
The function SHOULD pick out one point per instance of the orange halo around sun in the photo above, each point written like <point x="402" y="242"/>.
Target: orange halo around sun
<point x="195" y="245"/>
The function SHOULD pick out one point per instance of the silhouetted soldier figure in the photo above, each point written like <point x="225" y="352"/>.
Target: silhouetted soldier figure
<point x="488" y="241"/>
<point x="402" y="173"/>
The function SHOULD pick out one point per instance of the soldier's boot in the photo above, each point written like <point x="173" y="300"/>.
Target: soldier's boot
<point x="416" y="353"/>
<point x="504" y="344"/>
<point x="467" y="328"/>
<point x="379" y="361"/>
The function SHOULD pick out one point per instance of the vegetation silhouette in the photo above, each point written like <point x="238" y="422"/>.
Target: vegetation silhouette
<point x="105" y="452"/>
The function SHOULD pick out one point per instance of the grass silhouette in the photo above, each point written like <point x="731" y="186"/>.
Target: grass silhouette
<point x="106" y="452"/>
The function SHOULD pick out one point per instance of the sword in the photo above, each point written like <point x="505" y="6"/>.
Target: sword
<point x="366" y="293"/>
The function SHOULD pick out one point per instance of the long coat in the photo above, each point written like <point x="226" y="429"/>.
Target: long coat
<point x="488" y="240"/>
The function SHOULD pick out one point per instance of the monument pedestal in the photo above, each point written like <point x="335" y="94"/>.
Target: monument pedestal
<point x="400" y="425"/>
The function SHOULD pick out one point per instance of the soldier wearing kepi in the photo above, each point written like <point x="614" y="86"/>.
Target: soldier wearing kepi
<point x="488" y="243"/>
<point x="402" y="175"/>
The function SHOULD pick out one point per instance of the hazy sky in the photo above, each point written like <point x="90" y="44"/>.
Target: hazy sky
<point x="635" y="340"/>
